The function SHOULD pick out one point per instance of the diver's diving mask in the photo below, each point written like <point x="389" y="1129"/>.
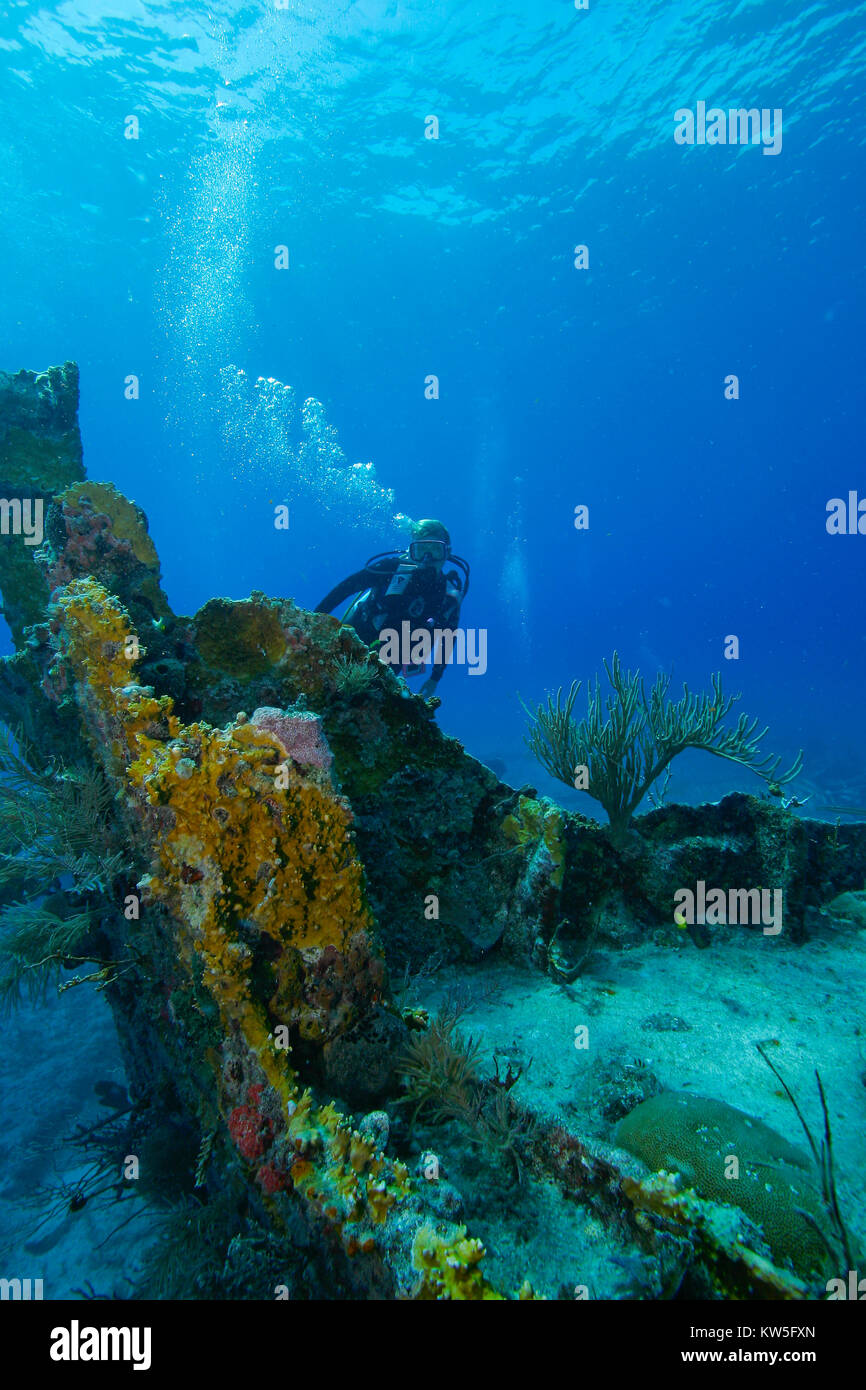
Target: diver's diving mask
<point x="428" y="550"/>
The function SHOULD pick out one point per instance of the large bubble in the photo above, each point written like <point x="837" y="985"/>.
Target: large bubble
<point x="299" y="452"/>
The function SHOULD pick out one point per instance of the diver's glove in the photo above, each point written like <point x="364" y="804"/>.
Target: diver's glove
<point x="427" y="690"/>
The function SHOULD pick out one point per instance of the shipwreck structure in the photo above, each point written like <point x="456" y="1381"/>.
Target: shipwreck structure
<point x="276" y="822"/>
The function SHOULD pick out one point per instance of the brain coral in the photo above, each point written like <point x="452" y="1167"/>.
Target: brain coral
<point x="694" y="1136"/>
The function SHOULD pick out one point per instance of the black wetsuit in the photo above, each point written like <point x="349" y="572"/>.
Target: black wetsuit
<point x="394" y="589"/>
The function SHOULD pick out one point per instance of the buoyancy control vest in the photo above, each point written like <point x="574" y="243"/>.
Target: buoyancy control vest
<point x="418" y="593"/>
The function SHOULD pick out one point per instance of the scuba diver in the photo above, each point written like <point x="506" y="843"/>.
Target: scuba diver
<point x="411" y="586"/>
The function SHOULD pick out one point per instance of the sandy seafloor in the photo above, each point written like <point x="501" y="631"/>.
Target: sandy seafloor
<point x="54" y="1056"/>
<point x="690" y="1017"/>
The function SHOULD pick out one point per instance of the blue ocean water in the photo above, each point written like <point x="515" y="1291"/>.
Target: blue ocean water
<point x="260" y="126"/>
<point x="157" y="161"/>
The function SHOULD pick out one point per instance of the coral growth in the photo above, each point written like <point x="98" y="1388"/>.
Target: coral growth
<point x="725" y="1238"/>
<point x="40" y="446"/>
<point x="625" y="746"/>
<point x="538" y="827"/>
<point x="352" y="678"/>
<point x="243" y="639"/>
<point x="440" y="1065"/>
<point x="40" y="452"/>
<point x="261" y="887"/>
<point x="299" y="735"/>
<point x="441" y="1069"/>
<point x="252" y="1133"/>
<point x="449" y="1267"/>
<point x="97" y="532"/>
<point x="730" y="1157"/>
